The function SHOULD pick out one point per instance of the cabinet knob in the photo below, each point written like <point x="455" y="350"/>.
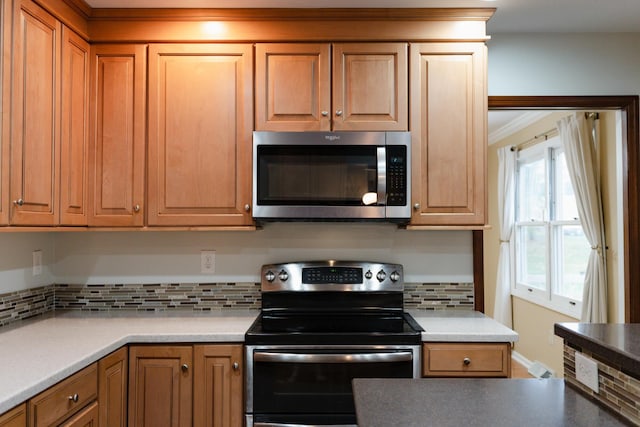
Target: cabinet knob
<point x="466" y="361"/>
<point x="18" y="202"/>
<point x="136" y="208"/>
<point x="324" y="113"/>
<point x="338" y="113"/>
<point x="185" y="367"/>
<point x="235" y="366"/>
<point x="74" y="398"/>
<point x="247" y="207"/>
<point x="416" y="207"/>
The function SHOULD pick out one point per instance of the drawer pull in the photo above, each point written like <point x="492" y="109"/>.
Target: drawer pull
<point x="466" y="361"/>
<point x="74" y="398"/>
<point x="185" y="367"/>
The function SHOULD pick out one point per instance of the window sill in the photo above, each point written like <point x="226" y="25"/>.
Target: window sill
<point x="562" y="306"/>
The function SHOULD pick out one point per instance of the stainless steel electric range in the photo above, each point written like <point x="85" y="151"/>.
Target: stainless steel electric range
<point x="323" y="324"/>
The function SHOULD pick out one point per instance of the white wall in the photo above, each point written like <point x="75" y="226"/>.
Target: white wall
<point x="564" y="64"/>
<point x="169" y="257"/>
<point x="16" y="260"/>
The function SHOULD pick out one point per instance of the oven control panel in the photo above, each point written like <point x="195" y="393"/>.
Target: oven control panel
<point x="332" y="276"/>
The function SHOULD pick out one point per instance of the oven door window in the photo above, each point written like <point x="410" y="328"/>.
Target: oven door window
<point x="320" y="382"/>
<point x="317" y="175"/>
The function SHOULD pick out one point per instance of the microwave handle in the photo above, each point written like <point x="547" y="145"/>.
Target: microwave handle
<point x="381" y="155"/>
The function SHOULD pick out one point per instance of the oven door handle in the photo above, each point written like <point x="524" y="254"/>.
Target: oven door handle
<point x="382" y="357"/>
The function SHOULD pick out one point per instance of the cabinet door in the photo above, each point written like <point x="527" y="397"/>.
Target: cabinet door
<point x="17" y="417"/>
<point x="117" y="147"/>
<point x="5" y="107"/>
<point x="448" y="116"/>
<point x="293" y="87"/>
<point x="160" y="382"/>
<point x="35" y="116"/>
<point x="200" y="132"/>
<point x="75" y="129"/>
<point x="112" y="389"/>
<point x="370" y="89"/>
<point x="88" y="417"/>
<point x="217" y="398"/>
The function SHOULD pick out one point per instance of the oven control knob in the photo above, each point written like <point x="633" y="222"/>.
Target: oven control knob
<point x="283" y="275"/>
<point x="395" y="276"/>
<point x="269" y="276"/>
<point x="368" y="274"/>
<point x="381" y="275"/>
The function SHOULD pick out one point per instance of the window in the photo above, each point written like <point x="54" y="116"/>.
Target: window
<point x="550" y="249"/>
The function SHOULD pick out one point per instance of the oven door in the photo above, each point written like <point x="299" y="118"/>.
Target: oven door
<point x="301" y="385"/>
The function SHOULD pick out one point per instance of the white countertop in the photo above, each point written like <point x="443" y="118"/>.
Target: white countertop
<point x="36" y="354"/>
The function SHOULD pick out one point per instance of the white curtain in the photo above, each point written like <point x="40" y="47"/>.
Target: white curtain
<point x="579" y="144"/>
<point x="506" y="218"/>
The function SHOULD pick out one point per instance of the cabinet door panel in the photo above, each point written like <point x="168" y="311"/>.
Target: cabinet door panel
<point x="200" y="134"/>
<point x="293" y="87"/>
<point x="449" y="110"/>
<point x="370" y="86"/>
<point x="16" y="417"/>
<point x="75" y="129"/>
<point x="88" y="417"/>
<point x="217" y="400"/>
<point x="36" y="114"/>
<point x="160" y="390"/>
<point x="112" y="391"/>
<point x="117" y="151"/>
<point x="5" y="107"/>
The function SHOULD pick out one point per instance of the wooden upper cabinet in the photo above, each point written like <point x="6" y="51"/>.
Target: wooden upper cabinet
<point x="117" y="139"/>
<point x="218" y="385"/>
<point x="200" y="131"/>
<point x="293" y="87"/>
<point x="75" y="129"/>
<point x="370" y="87"/>
<point x="367" y="90"/>
<point x="35" y="144"/>
<point x="5" y="107"/>
<point x="160" y="386"/>
<point x="448" y="116"/>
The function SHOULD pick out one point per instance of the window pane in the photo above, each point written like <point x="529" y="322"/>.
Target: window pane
<point x="566" y="208"/>
<point x="531" y="249"/>
<point x="573" y="254"/>
<point x="532" y="191"/>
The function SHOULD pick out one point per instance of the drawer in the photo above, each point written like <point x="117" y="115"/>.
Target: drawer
<point x="60" y="401"/>
<point x="17" y="417"/>
<point x="466" y="360"/>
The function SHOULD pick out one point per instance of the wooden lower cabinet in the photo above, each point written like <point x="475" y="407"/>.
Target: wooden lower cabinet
<point x="88" y="417"/>
<point x="17" y="417"/>
<point x="466" y="360"/>
<point x="112" y="388"/>
<point x="218" y="385"/>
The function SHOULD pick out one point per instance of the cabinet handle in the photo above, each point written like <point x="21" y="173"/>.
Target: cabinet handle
<point x="247" y="207"/>
<point x="466" y="361"/>
<point x="136" y="208"/>
<point x="235" y="366"/>
<point x="185" y="367"/>
<point x="74" y="398"/>
<point x="416" y="207"/>
<point x="338" y="113"/>
<point x="324" y="113"/>
<point x="18" y="202"/>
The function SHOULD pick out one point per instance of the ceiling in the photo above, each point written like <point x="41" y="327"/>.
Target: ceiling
<point x="512" y="16"/>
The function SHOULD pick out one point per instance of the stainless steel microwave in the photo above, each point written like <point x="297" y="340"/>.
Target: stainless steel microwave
<point x="331" y="176"/>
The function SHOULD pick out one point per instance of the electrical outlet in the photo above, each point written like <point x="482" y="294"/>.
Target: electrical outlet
<point x="587" y="371"/>
<point x="207" y="262"/>
<point x="37" y="263"/>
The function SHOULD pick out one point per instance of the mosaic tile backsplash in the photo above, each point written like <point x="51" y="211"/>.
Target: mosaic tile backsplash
<point x="616" y="390"/>
<point x="16" y="306"/>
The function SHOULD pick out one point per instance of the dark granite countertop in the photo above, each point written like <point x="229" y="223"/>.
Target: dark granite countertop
<point x="472" y="402"/>
<point x="617" y="343"/>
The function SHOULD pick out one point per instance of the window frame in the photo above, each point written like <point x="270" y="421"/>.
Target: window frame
<point x="547" y="297"/>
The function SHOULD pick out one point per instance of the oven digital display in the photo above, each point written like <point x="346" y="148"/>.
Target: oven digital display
<point x="325" y="275"/>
